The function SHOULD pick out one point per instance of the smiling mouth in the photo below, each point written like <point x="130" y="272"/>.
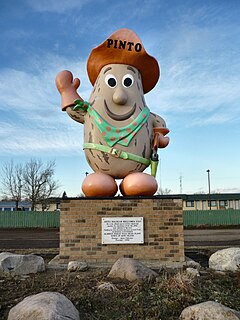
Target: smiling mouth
<point x="119" y="117"/>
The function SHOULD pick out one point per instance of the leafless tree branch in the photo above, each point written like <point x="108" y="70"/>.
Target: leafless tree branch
<point x="34" y="180"/>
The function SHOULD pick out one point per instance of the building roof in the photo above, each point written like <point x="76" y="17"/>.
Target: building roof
<point x="10" y="204"/>
<point x="212" y="196"/>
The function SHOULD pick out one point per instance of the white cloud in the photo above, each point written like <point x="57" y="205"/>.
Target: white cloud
<point x="216" y="118"/>
<point x="6" y="130"/>
<point x="194" y="87"/>
<point x="32" y="120"/>
<point x="56" y="6"/>
<point x="33" y="89"/>
<point x="198" y="54"/>
<point x="30" y="141"/>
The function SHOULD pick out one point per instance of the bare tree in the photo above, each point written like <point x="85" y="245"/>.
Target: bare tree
<point x="34" y="180"/>
<point x="39" y="184"/>
<point x="12" y="181"/>
<point x="162" y="191"/>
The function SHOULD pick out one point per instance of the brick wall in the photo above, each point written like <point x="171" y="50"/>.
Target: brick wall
<point x="81" y="230"/>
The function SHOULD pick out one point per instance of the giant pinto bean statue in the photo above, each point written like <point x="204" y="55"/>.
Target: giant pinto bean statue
<point x="121" y="135"/>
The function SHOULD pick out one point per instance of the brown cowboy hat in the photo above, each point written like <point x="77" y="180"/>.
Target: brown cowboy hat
<point x="124" y="47"/>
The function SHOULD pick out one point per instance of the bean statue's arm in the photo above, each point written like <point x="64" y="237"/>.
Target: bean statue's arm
<point x="67" y="87"/>
<point x="159" y="130"/>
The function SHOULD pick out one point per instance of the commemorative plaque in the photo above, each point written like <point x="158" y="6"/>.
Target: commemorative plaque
<point x="124" y="230"/>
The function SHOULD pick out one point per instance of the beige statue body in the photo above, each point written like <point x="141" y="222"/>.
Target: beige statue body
<point x="120" y="132"/>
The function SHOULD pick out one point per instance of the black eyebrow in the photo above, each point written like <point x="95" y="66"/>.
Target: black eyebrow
<point x="109" y="68"/>
<point x="130" y="68"/>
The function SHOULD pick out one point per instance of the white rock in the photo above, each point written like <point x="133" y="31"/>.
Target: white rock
<point x="44" y="306"/>
<point x="209" y="310"/>
<point x="19" y="264"/>
<point x="192" y="272"/>
<point x="107" y="286"/>
<point x="132" y="270"/>
<point x="56" y="264"/>
<point x="225" y="260"/>
<point x="191" y="263"/>
<point x="77" y="266"/>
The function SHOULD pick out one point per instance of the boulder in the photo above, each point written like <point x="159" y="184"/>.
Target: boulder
<point x="57" y="264"/>
<point x="19" y="264"/>
<point x="190" y="263"/>
<point x="44" y="305"/>
<point x="192" y="272"/>
<point x="225" y="260"/>
<point x="209" y="310"/>
<point x="132" y="270"/>
<point x="77" y="266"/>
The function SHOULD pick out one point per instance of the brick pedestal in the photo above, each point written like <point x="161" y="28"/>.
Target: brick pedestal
<point x="81" y="230"/>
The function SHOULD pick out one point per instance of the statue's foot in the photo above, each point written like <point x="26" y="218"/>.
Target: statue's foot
<point x="99" y="185"/>
<point x="138" y="184"/>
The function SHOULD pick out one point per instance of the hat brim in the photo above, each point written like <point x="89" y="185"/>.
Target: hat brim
<point x="146" y="64"/>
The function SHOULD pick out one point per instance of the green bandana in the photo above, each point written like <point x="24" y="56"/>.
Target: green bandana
<point x="111" y="134"/>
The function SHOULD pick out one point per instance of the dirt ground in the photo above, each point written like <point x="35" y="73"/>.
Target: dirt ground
<point x="164" y="299"/>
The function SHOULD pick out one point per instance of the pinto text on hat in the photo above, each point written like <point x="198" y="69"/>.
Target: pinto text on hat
<point x="119" y="44"/>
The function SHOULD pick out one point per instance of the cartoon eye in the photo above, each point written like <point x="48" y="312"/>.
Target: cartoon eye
<point x="127" y="80"/>
<point x="110" y="81"/>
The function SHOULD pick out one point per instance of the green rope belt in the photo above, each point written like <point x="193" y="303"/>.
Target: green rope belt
<point x="117" y="153"/>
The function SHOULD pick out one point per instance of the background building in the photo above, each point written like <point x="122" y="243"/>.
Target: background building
<point x="11" y="205"/>
<point x="218" y="201"/>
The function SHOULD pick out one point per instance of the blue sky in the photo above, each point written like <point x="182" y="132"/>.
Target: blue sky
<point x="197" y="44"/>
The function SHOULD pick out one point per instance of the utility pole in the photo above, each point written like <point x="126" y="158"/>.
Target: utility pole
<point x="209" y="189"/>
<point x="180" y="181"/>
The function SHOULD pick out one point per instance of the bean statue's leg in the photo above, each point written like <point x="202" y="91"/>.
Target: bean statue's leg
<point x="99" y="185"/>
<point x="138" y="184"/>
